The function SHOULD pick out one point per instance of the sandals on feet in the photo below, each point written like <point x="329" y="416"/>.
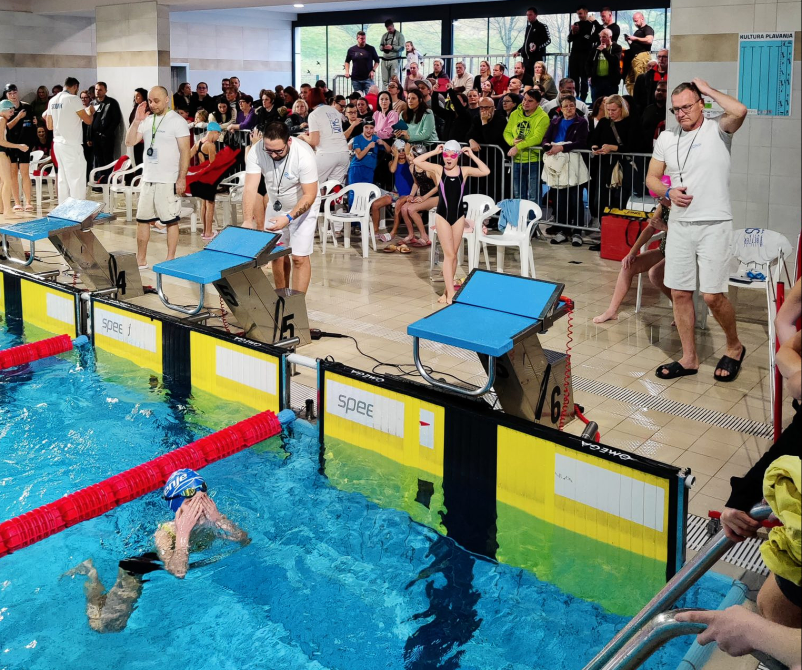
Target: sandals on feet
<point x="420" y="243"/>
<point x="730" y="365"/>
<point x="673" y="370"/>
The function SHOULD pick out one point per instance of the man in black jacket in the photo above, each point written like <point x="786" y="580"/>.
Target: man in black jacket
<point x="105" y="126"/>
<point x="536" y="39"/>
<point x="582" y="39"/>
<point x="202" y="100"/>
<point x="653" y="118"/>
<point x="487" y="130"/>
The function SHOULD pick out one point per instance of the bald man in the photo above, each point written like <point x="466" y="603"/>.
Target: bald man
<point x="164" y="174"/>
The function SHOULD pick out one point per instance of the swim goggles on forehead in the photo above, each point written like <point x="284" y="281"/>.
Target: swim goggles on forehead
<point x="188" y="493"/>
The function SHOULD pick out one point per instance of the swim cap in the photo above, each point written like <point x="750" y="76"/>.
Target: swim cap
<point x="418" y="150"/>
<point x="214" y="126"/>
<point x="452" y="146"/>
<point x="179" y="484"/>
<point x="6" y="104"/>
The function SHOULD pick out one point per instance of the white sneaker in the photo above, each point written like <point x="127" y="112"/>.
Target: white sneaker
<point x="559" y="238"/>
<point x="576" y="240"/>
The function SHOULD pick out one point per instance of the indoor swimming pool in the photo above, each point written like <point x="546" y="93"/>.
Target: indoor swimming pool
<point x="330" y="580"/>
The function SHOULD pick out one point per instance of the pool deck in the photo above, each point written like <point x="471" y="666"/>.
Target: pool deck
<point x="376" y="298"/>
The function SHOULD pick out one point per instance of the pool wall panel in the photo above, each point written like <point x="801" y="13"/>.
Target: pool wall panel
<point x="230" y="367"/>
<point x="598" y="522"/>
<point x="54" y="308"/>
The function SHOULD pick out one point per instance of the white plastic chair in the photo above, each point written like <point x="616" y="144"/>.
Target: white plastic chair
<point x="480" y="208"/>
<point x="514" y="235"/>
<point x="326" y="189"/>
<point x="117" y="186"/>
<point x="119" y="165"/>
<point x="364" y="194"/>
<point x="43" y="165"/>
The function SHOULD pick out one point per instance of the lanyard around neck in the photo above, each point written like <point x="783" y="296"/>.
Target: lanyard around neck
<point x="155" y="129"/>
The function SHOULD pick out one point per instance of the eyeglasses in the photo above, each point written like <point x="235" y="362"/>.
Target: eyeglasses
<point x="488" y="108"/>
<point x="685" y="109"/>
<point x="187" y="493"/>
<point x="276" y="152"/>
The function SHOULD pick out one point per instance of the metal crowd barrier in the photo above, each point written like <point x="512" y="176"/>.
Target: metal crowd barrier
<point x="556" y="63"/>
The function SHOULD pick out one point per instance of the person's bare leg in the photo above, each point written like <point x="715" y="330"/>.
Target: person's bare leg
<point x="15" y="183"/>
<point x="5" y="185"/>
<point x="399" y="204"/>
<point x="774" y="606"/>
<point x="447" y="234"/>
<point x="685" y="316"/>
<point x="301" y="273"/>
<point x="281" y="272"/>
<point x="142" y="239"/>
<point x="376" y="208"/>
<point x="641" y="263"/>
<point x="656" y="275"/>
<point x="208" y="219"/>
<point x="172" y="240"/>
<point x="414" y="211"/>
<point x="724" y="313"/>
<point x="408" y="221"/>
<point x="27" y="188"/>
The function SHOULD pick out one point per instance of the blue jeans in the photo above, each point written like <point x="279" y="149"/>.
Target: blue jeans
<point x="361" y="85"/>
<point x="526" y="181"/>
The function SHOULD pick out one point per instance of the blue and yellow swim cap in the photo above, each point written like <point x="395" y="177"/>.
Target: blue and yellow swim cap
<point x="181" y="485"/>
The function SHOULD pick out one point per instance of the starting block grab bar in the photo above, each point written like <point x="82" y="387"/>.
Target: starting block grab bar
<point x="189" y="311"/>
<point x="471" y="392"/>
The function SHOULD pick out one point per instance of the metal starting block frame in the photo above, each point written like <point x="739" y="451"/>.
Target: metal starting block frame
<point x="232" y="262"/>
<point x="499" y="317"/>
<point x="69" y="229"/>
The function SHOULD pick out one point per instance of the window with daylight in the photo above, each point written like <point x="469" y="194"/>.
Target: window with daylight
<point x="311" y="55"/>
<point x="470" y="37"/>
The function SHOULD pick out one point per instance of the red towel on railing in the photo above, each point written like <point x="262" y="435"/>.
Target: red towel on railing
<point x="212" y="173"/>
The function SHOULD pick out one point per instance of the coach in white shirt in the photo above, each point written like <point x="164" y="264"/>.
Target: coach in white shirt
<point x="328" y="139"/>
<point x="164" y="173"/>
<point x="65" y="114"/>
<point x="290" y="171"/>
<point x="696" y="155"/>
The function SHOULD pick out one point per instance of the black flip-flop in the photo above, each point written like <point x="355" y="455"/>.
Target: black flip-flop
<point x="675" y="370"/>
<point x="728" y="364"/>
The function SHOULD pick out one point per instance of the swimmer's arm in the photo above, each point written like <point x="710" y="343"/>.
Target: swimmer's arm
<point x="231" y="531"/>
<point x="174" y="556"/>
<point x="646" y="234"/>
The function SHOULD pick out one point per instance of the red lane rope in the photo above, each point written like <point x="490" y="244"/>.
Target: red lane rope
<point x="569" y="340"/>
<point x="92" y="501"/>
<point x="33" y="351"/>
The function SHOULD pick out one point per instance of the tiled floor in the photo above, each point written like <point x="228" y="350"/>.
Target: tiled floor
<point x="375" y="299"/>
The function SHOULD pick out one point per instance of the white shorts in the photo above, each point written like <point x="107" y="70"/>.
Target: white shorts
<point x="703" y="244"/>
<point x="158" y="202"/>
<point x="332" y="166"/>
<point x="300" y="234"/>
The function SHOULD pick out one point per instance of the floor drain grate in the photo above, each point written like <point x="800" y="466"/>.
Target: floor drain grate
<point x="745" y="554"/>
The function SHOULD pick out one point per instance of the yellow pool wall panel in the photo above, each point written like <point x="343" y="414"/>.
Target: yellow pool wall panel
<point x="128" y="335"/>
<point x="234" y="372"/>
<point x="404" y="429"/>
<point x="2" y="295"/>
<point x="49" y="309"/>
<point x="605" y="501"/>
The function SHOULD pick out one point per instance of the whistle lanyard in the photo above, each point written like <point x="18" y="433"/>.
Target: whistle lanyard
<point x="680" y="168"/>
<point x="155" y="129"/>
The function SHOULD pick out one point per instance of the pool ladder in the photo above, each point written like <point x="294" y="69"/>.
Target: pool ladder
<point x="655" y="625"/>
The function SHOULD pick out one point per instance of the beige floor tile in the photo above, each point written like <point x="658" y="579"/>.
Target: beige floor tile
<point x="659" y="452"/>
<point x="700" y="505"/>
<point x="717" y="488"/>
<point x="717" y="450"/>
<point x="698" y="463"/>
<point x="674" y="438"/>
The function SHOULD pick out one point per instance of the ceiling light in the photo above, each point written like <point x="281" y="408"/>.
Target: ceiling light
<point x="298" y="5"/>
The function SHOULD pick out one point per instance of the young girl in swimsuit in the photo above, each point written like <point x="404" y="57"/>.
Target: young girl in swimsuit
<point x="6" y="112"/>
<point x="450" y="216"/>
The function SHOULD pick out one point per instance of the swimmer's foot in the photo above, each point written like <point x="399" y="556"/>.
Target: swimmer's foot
<point x="87" y="568"/>
<point x="607" y="316"/>
<point x="443" y="299"/>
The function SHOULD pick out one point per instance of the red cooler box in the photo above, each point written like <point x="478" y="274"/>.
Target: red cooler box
<point x="619" y="231"/>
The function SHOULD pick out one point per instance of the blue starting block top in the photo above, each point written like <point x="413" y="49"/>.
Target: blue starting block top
<point x="232" y="249"/>
<point x="38" y="229"/>
<point x="490" y="312"/>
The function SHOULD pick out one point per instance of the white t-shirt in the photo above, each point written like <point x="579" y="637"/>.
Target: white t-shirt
<point x="283" y="178"/>
<point x="161" y="133"/>
<point x="702" y="157"/>
<point x="67" y="125"/>
<point x="329" y="123"/>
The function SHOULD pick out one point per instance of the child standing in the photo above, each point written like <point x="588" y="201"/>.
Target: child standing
<point x="366" y="150"/>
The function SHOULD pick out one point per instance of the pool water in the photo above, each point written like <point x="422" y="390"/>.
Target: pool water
<point x="330" y="580"/>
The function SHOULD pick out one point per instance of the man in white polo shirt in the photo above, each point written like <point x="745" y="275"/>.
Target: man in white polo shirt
<point x="65" y="116"/>
<point x="290" y="172"/>
<point x="164" y="173"/>
<point x="328" y="139"/>
<point x="696" y="155"/>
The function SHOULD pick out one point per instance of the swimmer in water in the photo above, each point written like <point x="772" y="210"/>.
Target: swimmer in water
<point x="197" y="522"/>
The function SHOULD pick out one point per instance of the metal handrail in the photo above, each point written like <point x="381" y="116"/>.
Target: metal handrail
<point x="23" y="262"/>
<point x="189" y="311"/>
<point x="693" y="570"/>
<point x="663" y="628"/>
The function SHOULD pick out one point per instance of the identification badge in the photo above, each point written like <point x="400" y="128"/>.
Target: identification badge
<point x="153" y="155"/>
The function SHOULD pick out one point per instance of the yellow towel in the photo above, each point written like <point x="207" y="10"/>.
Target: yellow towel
<point x="782" y="488"/>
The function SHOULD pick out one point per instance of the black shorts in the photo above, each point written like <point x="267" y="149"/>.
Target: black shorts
<point x="19" y="156"/>
<point x="206" y="192"/>
<point x="790" y="590"/>
<point x="262" y="187"/>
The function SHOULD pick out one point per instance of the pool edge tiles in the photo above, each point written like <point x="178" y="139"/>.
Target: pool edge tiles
<point x="54" y="308"/>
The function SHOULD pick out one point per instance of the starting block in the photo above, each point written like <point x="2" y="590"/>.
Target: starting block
<point x="499" y="317"/>
<point x="69" y="229"/>
<point x="232" y="262"/>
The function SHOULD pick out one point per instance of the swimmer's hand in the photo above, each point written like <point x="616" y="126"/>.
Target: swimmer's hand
<point x="86" y="568"/>
<point x="209" y="508"/>
<point x="187" y="517"/>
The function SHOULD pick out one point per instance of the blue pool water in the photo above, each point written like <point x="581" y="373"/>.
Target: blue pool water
<point x="330" y="581"/>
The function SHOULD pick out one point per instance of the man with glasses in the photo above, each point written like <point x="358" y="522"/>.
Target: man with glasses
<point x="566" y="87"/>
<point x="365" y="61"/>
<point x="201" y="99"/>
<point x="696" y="155"/>
<point x="646" y="83"/>
<point x="290" y="173"/>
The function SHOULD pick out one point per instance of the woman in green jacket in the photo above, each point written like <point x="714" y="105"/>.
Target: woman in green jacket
<point x="419" y="120"/>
